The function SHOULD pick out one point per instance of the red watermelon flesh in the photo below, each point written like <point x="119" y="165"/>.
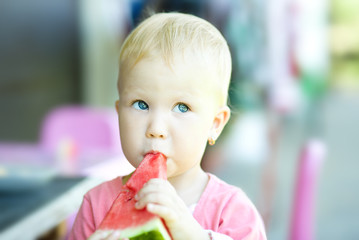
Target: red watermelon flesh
<point x="123" y="216"/>
<point x="152" y="166"/>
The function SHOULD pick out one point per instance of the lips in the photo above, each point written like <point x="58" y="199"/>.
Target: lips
<point x="155" y="152"/>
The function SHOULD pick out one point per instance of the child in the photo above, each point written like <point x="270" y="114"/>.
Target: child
<point x="173" y="82"/>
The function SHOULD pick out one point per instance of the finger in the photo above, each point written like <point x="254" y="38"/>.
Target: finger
<point x="115" y="235"/>
<point x="155" y="198"/>
<point x="156" y="185"/>
<point x="164" y="212"/>
<point x="99" y="235"/>
<point x="105" y="235"/>
<point x="158" y="182"/>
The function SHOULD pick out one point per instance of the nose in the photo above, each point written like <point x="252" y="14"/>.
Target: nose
<point x="157" y="128"/>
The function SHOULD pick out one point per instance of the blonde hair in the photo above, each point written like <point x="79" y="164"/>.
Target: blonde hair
<point x="167" y="34"/>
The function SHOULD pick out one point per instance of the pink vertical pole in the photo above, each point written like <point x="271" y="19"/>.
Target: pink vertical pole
<point x="302" y="222"/>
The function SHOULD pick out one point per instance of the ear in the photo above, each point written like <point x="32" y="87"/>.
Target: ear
<point x="219" y="122"/>
<point x="117" y="105"/>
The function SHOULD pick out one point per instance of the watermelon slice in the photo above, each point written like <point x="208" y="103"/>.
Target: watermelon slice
<point x="133" y="223"/>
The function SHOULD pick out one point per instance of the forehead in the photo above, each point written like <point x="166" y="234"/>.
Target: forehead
<point x="182" y="72"/>
<point x="181" y="82"/>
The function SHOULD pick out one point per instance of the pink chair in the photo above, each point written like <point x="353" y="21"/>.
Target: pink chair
<point x="91" y="132"/>
<point x="303" y="212"/>
<point x="90" y="129"/>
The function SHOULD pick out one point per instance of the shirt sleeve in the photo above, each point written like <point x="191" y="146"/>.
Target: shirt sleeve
<point x="226" y="210"/>
<point x="236" y="213"/>
<point x="84" y="223"/>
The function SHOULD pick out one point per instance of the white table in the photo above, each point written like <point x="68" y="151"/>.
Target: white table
<point x="55" y="202"/>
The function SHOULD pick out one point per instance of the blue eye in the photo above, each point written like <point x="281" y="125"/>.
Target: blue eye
<point x="181" y="108"/>
<point x="140" y="105"/>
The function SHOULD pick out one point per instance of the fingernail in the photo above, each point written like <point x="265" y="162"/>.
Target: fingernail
<point x="149" y="206"/>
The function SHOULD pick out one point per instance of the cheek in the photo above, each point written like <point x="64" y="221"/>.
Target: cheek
<point x="187" y="153"/>
<point x="129" y="135"/>
<point x="190" y="143"/>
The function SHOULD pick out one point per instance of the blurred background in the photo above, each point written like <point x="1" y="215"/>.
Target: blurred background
<point x="294" y="88"/>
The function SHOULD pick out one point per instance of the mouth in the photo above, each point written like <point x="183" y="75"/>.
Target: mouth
<point x="154" y="152"/>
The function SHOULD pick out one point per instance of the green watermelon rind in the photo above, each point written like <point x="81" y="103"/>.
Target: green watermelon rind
<point x="152" y="230"/>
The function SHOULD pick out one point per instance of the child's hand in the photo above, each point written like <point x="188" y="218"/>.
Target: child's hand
<point x="159" y="197"/>
<point x="106" y="235"/>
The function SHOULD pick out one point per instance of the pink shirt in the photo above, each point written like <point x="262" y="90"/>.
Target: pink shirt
<point x="222" y="208"/>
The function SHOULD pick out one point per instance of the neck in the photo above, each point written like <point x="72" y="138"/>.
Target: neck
<point x="190" y="185"/>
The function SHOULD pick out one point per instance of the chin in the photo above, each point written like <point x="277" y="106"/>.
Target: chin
<point x="170" y="172"/>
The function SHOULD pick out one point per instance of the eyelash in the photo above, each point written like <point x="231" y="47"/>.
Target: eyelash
<point x="138" y="107"/>
<point x="187" y="108"/>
